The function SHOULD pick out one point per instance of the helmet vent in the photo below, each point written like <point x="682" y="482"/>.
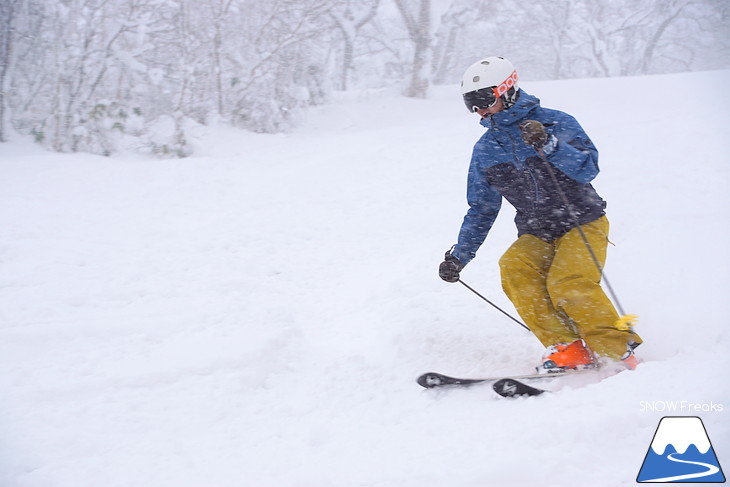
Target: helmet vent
<point x="475" y="79"/>
<point x="486" y="63"/>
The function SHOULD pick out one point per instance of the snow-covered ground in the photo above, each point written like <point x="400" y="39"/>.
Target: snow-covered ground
<point x="256" y="315"/>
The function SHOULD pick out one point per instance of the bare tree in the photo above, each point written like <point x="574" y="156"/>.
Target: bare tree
<point x="624" y="37"/>
<point x="667" y="13"/>
<point x="349" y="17"/>
<point x="446" y="47"/>
<point x="8" y="9"/>
<point x="416" y="15"/>
<point x="276" y="62"/>
<point x="220" y="9"/>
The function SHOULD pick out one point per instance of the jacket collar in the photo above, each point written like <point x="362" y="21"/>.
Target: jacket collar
<point x="517" y="112"/>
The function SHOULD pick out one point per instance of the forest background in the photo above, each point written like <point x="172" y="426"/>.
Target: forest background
<point x="102" y="76"/>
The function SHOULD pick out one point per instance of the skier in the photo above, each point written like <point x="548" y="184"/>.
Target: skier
<point x="539" y="159"/>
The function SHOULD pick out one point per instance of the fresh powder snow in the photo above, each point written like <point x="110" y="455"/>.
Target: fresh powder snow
<point x="256" y="314"/>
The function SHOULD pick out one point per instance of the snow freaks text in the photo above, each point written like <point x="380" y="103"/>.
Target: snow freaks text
<point x="680" y="407"/>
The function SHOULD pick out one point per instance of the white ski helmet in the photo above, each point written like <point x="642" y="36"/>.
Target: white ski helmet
<point x="487" y="80"/>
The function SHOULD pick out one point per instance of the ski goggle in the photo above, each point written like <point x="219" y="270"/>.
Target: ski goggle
<point x="480" y="99"/>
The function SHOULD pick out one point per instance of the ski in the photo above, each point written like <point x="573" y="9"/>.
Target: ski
<point x="433" y="379"/>
<point x="514" y="388"/>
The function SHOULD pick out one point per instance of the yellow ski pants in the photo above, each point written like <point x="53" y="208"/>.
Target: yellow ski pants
<point x="555" y="287"/>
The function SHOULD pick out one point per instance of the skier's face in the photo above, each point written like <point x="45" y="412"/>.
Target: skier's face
<point x="497" y="107"/>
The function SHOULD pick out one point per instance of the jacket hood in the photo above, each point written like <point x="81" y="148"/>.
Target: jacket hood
<point x="517" y="112"/>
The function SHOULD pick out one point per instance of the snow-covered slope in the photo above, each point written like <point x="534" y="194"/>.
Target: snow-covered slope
<point x="256" y="315"/>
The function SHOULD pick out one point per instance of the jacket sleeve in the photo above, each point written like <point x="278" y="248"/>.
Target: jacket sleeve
<point x="484" y="204"/>
<point x="575" y="155"/>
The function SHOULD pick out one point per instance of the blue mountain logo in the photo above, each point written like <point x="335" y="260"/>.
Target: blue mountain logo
<point x="681" y="452"/>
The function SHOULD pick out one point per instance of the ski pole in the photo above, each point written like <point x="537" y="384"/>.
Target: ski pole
<point x="569" y="206"/>
<point x="495" y="306"/>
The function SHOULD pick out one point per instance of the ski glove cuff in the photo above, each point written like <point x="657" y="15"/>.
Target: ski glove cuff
<point x="450" y="268"/>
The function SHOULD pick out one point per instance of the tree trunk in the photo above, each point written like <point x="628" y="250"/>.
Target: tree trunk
<point x="7" y="17"/>
<point x="419" y="30"/>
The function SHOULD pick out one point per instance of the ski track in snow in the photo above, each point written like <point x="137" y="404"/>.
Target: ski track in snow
<point x="257" y="314"/>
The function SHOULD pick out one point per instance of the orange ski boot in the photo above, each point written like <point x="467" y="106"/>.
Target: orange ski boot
<point x="566" y="356"/>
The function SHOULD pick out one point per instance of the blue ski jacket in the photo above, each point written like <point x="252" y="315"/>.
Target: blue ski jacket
<point x="503" y="166"/>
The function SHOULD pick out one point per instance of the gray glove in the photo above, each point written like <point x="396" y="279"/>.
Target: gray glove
<point x="533" y="133"/>
<point x="450" y="268"/>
